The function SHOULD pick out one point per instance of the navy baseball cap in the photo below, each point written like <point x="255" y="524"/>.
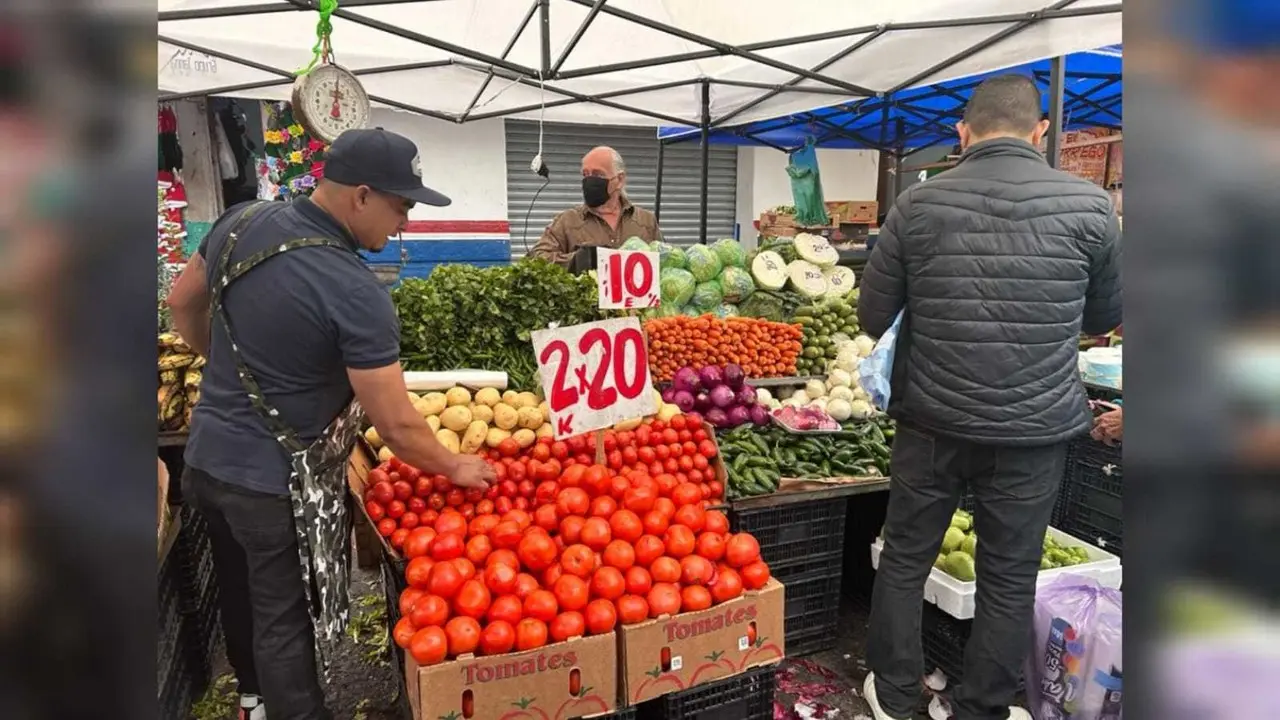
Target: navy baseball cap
<point x="384" y="161"/>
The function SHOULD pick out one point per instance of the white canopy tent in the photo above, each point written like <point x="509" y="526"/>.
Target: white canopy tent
<point x="700" y="63"/>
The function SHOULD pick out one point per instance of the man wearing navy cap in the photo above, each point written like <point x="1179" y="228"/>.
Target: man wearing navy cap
<point x="295" y="326"/>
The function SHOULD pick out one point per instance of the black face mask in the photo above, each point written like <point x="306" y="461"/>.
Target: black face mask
<point x="595" y="191"/>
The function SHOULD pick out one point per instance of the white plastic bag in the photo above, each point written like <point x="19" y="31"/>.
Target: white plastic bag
<point x="1075" y="669"/>
<point x="875" y="370"/>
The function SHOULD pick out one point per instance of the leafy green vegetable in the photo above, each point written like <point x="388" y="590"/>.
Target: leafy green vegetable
<point x="730" y="252"/>
<point x="704" y="263"/>
<point x="669" y="256"/>
<point x="707" y="296"/>
<point x="467" y="317"/>
<point x="675" y="286"/>
<point x="737" y="284"/>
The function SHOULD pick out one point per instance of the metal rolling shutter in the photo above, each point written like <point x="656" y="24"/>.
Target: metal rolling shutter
<point x="563" y="146"/>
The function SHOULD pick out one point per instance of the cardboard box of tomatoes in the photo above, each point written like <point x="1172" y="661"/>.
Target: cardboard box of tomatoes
<point x="577" y="678"/>
<point x="677" y="652"/>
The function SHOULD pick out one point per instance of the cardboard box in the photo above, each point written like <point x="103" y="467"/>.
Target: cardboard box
<point x="359" y="463"/>
<point x="861" y="212"/>
<point x="574" y="679"/>
<point x="673" y="653"/>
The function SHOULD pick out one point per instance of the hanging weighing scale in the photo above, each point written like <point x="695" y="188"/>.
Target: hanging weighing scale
<point x="328" y="99"/>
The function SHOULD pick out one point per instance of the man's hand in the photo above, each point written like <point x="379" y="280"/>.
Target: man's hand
<point x="471" y="471"/>
<point x="1108" y="428"/>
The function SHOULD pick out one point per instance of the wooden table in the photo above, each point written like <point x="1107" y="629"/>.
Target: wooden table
<point x="778" y="499"/>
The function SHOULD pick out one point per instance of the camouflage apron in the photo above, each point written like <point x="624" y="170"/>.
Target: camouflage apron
<point x="318" y="472"/>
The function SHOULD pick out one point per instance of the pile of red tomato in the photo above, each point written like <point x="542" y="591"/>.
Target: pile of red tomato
<point x="564" y="554"/>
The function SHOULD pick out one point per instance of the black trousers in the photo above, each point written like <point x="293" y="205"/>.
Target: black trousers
<point x="1014" y="490"/>
<point x="269" y="636"/>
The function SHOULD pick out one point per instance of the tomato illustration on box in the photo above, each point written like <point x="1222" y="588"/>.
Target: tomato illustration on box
<point x="577" y="678"/>
<point x="673" y="653"/>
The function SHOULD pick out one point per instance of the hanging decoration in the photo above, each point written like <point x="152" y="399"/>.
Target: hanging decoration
<point x="294" y="160"/>
<point x="168" y="253"/>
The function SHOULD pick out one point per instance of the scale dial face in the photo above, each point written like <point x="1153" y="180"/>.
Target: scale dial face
<point x="330" y="100"/>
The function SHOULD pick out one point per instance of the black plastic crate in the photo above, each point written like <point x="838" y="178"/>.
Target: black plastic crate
<point x="792" y="537"/>
<point x="748" y="696"/>
<point x="1093" y="492"/>
<point x="811" y="634"/>
<point x="193" y="553"/>
<point x="944" y="638"/>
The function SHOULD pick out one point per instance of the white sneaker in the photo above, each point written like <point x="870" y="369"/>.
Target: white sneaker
<point x="252" y="708"/>
<point x="1017" y="713"/>
<point x="869" y="693"/>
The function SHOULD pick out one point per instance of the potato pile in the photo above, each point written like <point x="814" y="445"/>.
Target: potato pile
<point x="464" y="423"/>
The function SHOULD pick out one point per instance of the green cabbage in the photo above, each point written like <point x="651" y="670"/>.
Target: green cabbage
<point x="707" y="295"/>
<point x="676" y="286"/>
<point x="736" y="284"/>
<point x="730" y="253"/>
<point x="669" y="256"/>
<point x="704" y="263"/>
<point x="634" y="243"/>
<point x="725" y="310"/>
<point x="665" y="310"/>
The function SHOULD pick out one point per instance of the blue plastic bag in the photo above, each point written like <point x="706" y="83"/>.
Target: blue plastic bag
<point x="875" y="371"/>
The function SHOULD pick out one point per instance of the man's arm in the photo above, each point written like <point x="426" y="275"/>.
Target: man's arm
<point x="385" y="399"/>
<point x="1104" y="300"/>
<point x="189" y="304"/>
<point x="884" y="282"/>
<point x="369" y="340"/>
<point x="553" y="246"/>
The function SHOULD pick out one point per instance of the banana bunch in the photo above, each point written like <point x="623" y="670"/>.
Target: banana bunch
<point x="180" y="370"/>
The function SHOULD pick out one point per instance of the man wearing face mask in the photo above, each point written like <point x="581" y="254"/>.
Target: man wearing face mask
<point x="605" y="219"/>
<point x="999" y="264"/>
<point x="302" y="343"/>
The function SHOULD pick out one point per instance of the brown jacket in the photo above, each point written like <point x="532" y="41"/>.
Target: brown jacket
<point x="579" y="227"/>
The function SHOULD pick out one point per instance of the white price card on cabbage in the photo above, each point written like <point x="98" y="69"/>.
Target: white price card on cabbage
<point x="594" y="375"/>
<point x="627" y="279"/>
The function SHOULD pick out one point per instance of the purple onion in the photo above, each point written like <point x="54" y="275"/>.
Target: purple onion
<point x="746" y="397"/>
<point x="669" y="395"/>
<point x="686" y="378"/>
<point x="722" y="397"/>
<point x="759" y="415"/>
<point x="734" y="377"/>
<point x="712" y="377"/>
<point x="738" y="415"/>
<point x="683" y="400"/>
<point x="702" y="402"/>
<point x="717" y="417"/>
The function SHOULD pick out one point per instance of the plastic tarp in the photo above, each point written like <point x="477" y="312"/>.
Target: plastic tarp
<point x="442" y="68"/>
<point x="1092" y="97"/>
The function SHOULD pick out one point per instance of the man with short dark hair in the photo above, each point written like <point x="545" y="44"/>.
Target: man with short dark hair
<point x="999" y="264"/>
<point x="295" y="327"/>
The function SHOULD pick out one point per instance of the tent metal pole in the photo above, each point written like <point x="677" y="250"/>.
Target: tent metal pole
<point x="721" y="49"/>
<point x="898" y="179"/>
<point x="544" y="22"/>
<point x="223" y="90"/>
<point x="984" y="44"/>
<point x="286" y="74"/>
<point x="573" y="41"/>
<point x="657" y="193"/>
<point x="775" y="86"/>
<point x="1057" y="80"/>
<point x="528" y="81"/>
<point x="706" y="158"/>
<point x="438" y="44"/>
<point x="727" y="49"/>
<point x="515" y="37"/>
<point x="572" y="101"/>
<point x="837" y="57"/>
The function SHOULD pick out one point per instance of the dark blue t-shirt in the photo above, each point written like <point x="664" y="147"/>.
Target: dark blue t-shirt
<point x="301" y="319"/>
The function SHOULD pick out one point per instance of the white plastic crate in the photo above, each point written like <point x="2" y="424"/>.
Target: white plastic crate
<point x="956" y="598"/>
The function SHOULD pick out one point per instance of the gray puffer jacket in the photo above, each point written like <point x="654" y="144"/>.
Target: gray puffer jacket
<point x="1001" y="262"/>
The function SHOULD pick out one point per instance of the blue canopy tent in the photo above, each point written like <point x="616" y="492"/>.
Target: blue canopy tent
<point x="1088" y="94"/>
<point x="925" y="116"/>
